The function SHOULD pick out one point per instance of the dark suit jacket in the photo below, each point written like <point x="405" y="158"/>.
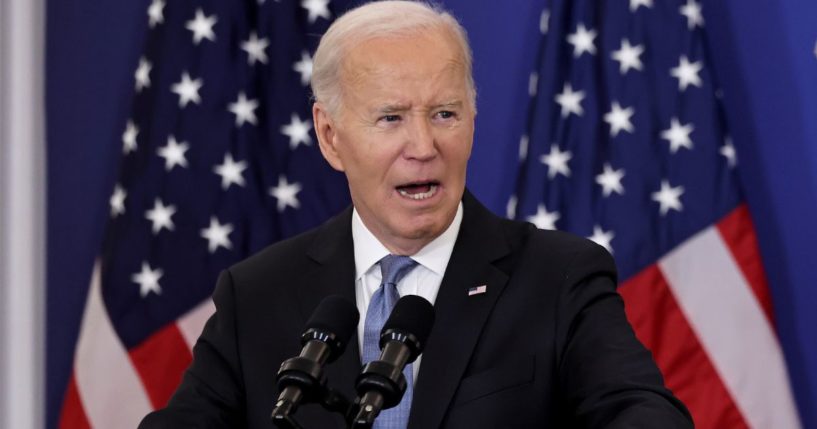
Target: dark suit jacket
<point x="547" y="345"/>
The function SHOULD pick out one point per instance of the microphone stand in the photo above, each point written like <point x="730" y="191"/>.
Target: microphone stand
<point x="309" y="377"/>
<point x="330" y="399"/>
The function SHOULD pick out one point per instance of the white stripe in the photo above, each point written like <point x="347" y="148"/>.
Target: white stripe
<point x="110" y="389"/>
<point x="733" y="330"/>
<point x="191" y="324"/>
<point x="22" y="213"/>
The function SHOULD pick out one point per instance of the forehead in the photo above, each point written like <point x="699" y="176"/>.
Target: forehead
<point x="424" y="60"/>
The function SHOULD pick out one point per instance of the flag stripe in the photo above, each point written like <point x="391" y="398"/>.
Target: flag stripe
<point x="661" y="325"/>
<point x="191" y="324"/>
<point x="102" y="364"/>
<point x="732" y="328"/>
<point x="218" y="161"/>
<point x="738" y="233"/>
<point x="160" y="361"/>
<point x="667" y="173"/>
<point x="73" y="414"/>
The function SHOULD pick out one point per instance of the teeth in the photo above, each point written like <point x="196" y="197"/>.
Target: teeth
<point x="422" y="195"/>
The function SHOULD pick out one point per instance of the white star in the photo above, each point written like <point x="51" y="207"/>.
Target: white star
<point x="244" y="110"/>
<point x="129" y="138"/>
<point x="692" y="11"/>
<point x="217" y="235"/>
<point x="628" y="56"/>
<point x="202" y="27"/>
<point x="728" y="151"/>
<point x="117" y="201"/>
<point x="255" y="49"/>
<point x="187" y="89"/>
<point x="286" y="193"/>
<point x="148" y="280"/>
<point x="160" y="215"/>
<point x="297" y="131"/>
<point x="619" y="119"/>
<point x="556" y="161"/>
<point x="602" y="238"/>
<point x="156" y="13"/>
<point x="142" y="74"/>
<point x="582" y="41"/>
<point x="316" y="8"/>
<point x="678" y="135"/>
<point x="230" y="171"/>
<point x="634" y="4"/>
<point x="510" y="207"/>
<point x="544" y="219"/>
<point x="610" y="180"/>
<point x="668" y="197"/>
<point x="173" y="153"/>
<point x="544" y="21"/>
<point x="523" y="147"/>
<point x="815" y="48"/>
<point x="570" y="101"/>
<point x="304" y="67"/>
<point x="533" y="82"/>
<point x="687" y="73"/>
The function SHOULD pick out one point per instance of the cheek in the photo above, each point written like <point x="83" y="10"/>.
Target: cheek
<point x="368" y="169"/>
<point x="460" y="150"/>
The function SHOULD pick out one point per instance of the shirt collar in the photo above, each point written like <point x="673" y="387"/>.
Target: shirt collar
<point x="434" y="255"/>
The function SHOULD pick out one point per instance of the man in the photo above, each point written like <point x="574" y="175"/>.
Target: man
<point x="529" y="330"/>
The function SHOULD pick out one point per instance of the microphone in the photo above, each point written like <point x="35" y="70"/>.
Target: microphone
<point x="381" y="383"/>
<point x="324" y="339"/>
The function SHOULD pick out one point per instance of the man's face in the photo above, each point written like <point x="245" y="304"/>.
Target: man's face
<point x="403" y="135"/>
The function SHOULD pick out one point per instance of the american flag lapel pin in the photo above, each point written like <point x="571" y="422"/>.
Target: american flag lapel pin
<point x="477" y="290"/>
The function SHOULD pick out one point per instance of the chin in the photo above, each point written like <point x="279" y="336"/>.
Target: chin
<point x="424" y="229"/>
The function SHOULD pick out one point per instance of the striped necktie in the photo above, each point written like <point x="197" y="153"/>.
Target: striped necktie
<point x="393" y="268"/>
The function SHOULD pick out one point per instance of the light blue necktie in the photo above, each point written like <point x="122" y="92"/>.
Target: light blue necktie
<point x="393" y="268"/>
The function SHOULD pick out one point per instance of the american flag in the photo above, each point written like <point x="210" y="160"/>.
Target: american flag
<point x="218" y="160"/>
<point x="626" y="144"/>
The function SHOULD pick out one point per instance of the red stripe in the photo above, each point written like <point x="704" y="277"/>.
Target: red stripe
<point x="738" y="233"/>
<point x="160" y="361"/>
<point x="73" y="414"/>
<point x="660" y="324"/>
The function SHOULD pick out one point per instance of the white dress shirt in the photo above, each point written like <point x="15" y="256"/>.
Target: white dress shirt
<point x="424" y="280"/>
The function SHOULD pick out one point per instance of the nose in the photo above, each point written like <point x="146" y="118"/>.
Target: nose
<point x="421" y="145"/>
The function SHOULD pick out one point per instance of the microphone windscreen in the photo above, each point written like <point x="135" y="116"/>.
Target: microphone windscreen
<point x="337" y="315"/>
<point x="412" y="314"/>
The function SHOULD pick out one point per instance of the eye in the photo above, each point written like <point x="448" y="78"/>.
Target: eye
<point x="389" y="118"/>
<point x="446" y="114"/>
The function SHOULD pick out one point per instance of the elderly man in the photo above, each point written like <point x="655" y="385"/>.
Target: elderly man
<point x="530" y="331"/>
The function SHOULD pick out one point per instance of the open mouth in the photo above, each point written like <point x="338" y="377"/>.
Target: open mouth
<point x="418" y="191"/>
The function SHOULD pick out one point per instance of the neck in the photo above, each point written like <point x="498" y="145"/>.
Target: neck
<point x="404" y="247"/>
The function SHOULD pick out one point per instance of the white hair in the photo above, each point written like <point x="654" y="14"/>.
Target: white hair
<point x="389" y="18"/>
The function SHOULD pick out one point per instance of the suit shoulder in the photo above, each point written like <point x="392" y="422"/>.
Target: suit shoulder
<point x="283" y="250"/>
<point x="566" y="242"/>
<point x="560" y="241"/>
<point x="524" y="236"/>
<point x="561" y="247"/>
<point x="290" y="256"/>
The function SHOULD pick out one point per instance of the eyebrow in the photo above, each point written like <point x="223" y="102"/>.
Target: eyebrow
<point x="455" y="103"/>
<point x="398" y="107"/>
<point x="391" y="108"/>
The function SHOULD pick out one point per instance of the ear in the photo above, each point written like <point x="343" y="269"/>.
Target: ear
<point x="326" y="131"/>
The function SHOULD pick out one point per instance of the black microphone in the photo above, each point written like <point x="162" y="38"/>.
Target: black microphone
<point x="324" y="339"/>
<point x="381" y="383"/>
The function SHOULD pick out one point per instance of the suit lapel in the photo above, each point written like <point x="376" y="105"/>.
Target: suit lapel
<point x="334" y="274"/>
<point x="459" y="317"/>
